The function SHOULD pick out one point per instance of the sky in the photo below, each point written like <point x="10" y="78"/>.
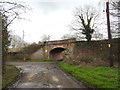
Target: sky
<point x="47" y="17"/>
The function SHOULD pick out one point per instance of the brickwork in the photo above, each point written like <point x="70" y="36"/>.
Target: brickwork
<point x="53" y="49"/>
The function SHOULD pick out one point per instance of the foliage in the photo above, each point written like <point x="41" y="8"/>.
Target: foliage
<point x="87" y="30"/>
<point x="97" y="77"/>
<point x="5" y="41"/>
<point x="30" y="48"/>
<point x="25" y="52"/>
<point x="10" y="75"/>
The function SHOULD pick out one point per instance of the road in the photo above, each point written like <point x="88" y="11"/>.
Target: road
<point x="43" y="75"/>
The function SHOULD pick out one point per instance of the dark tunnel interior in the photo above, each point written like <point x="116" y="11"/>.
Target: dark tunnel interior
<point x="56" y="53"/>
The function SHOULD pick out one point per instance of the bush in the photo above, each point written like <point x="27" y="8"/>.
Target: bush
<point x="25" y="53"/>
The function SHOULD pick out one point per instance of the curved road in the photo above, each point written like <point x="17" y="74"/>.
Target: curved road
<point x="43" y="75"/>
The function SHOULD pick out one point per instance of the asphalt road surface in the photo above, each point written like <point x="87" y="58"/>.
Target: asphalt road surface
<point x="43" y="75"/>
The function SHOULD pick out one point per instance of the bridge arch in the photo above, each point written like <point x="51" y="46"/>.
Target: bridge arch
<point x="56" y="53"/>
<point x="54" y="49"/>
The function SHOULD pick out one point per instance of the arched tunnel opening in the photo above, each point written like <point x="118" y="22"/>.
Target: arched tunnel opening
<point x="56" y="53"/>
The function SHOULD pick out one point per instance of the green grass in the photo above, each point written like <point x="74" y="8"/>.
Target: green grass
<point x="97" y="77"/>
<point x="10" y="75"/>
<point x="31" y="60"/>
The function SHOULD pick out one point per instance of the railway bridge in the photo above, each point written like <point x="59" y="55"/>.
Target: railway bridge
<point x="54" y="49"/>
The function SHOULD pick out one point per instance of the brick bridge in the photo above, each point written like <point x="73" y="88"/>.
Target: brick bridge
<point x="54" y="49"/>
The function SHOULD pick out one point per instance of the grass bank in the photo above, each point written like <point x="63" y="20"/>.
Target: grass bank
<point x="10" y="75"/>
<point x="31" y="60"/>
<point x="96" y="77"/>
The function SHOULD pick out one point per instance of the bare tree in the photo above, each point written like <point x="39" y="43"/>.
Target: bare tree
<point x="97" y="36"/>
<point x="17" y="41"/>
<point x="67" y="36"/>
<point x="12" y="10"/>
<point x="115" y="5"/>
<point x="115" y="14"/>
<point x="87" y="19"/>
<point x="45" y="38"/>
<point x="74" y="35"/>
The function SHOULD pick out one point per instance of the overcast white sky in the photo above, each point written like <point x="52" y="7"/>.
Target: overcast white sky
<point x="50" y="17"/>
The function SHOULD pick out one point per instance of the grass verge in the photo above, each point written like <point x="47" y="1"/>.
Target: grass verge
<point x="96" y="77"/>
<point x="10" y="75"/>
<point x="31" y="60"/>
